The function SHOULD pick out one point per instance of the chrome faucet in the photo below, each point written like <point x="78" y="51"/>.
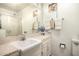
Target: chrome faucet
<point x="23" y="37"/>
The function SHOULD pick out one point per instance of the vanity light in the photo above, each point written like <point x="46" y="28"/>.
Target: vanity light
<point x="35" y="13"/>
<point x="52" y="7"/>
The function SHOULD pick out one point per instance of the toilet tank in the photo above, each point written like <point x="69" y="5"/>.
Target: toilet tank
<point x="75" y="47"/>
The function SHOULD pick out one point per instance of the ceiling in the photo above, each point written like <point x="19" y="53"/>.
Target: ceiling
<point x="15" y="6"/>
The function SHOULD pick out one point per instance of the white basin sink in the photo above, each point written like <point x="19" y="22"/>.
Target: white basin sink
<point x="26" y="44"/>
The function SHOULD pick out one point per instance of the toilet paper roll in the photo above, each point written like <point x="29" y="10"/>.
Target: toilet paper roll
<point x="62" y="46"/>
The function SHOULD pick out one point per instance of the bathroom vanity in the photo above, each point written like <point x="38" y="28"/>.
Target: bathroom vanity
<point x="34" y="45"/>
<point x="28" y="47"/>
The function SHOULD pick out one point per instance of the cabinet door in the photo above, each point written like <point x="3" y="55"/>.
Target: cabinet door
<point x="49" y="47"/>
<point x="45" y="48"/>
<point x="14" y="54"/>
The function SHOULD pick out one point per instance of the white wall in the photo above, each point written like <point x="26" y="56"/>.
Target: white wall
<point x="70" y="12"/>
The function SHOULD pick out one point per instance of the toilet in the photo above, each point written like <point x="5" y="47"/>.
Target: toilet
<point x="75" y="47"/>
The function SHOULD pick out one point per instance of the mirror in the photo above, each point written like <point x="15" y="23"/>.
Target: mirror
<point x="27" y="17"/>
<point x="31" y="18"/>
<point x="19" y="18"/>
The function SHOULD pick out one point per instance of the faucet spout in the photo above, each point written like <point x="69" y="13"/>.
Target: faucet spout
<point x="23" y="37"/>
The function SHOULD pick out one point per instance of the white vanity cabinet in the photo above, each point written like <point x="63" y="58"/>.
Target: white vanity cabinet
<point x="35" y="51"/>
<point x="49" y="46"/>
<point x="46" y="46"/>
<point x="14" y="54"/>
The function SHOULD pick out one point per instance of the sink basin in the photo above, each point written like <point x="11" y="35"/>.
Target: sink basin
<point x="26" y="44"/>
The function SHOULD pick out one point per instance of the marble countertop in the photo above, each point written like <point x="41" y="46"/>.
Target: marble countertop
<point x="7" y="49"/>
<point x="8" y="39"/>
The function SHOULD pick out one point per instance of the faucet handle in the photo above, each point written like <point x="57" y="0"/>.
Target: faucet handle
<point x="22" y="37"/>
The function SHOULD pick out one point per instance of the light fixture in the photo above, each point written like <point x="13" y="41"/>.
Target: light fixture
<point x="35" y="13"/>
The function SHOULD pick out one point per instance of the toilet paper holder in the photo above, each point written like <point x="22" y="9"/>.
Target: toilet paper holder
<point x="62" y="45"/>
